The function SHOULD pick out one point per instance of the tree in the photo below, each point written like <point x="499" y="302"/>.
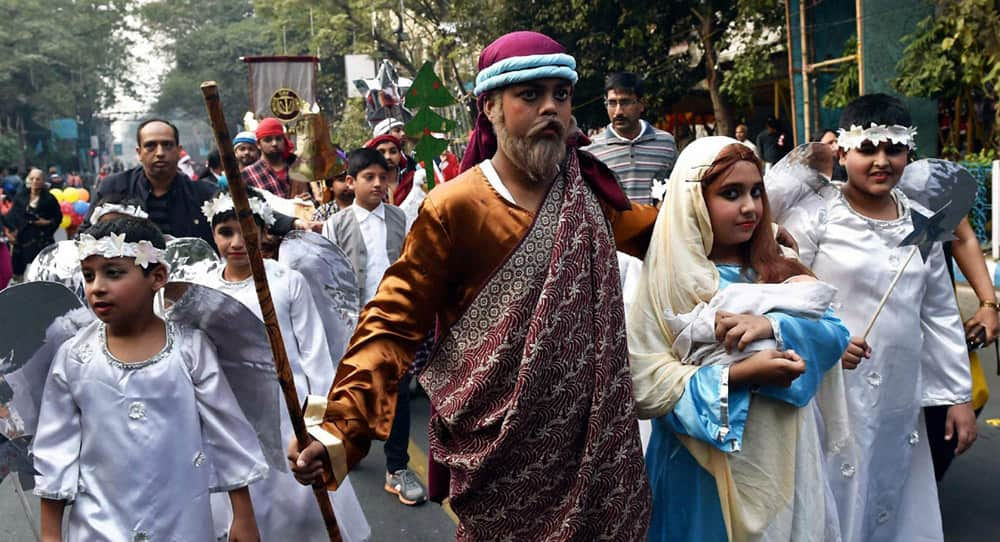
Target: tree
<point x="845" y="85"/>
<point x="955" y="55"/>
<point x="59" y="58"/>
<point x="725" y="43"/>
<point x="206" y="40"/>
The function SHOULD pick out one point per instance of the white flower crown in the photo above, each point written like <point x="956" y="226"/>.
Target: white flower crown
<point x="224" y="202"/>
<point x="876" y="133"/>
<point x="109" y="208"/>
<point x="115" y="246"/>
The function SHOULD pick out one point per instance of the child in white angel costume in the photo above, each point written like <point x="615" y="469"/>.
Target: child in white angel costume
<point x="285" y="509"/>
<point x="914" y="356"/>
<point x="137" y="423"/>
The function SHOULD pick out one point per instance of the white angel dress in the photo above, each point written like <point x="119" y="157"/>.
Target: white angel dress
<point x="919" y="359"/>
<point x="285" y="509"/>
<point x="138" y="447"/>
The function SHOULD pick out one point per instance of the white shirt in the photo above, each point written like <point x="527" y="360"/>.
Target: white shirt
<point x="494" y="178"/>
<point x="642" y="128"/>
<point x="372" y="224"/>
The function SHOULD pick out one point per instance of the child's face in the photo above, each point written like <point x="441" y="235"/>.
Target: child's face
<point x="875" y="170"/>
<point x="117" y="290"/>
<point x="735" y="205"/>
<point x="229" y="239"/>
<point x="369" y="186"/>
<point x="390" y="152"/>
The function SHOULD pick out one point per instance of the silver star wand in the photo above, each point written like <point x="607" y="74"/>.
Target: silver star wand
<point x="933" y="183"/>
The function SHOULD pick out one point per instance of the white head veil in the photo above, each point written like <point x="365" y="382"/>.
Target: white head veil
<point x="757" y="483"/>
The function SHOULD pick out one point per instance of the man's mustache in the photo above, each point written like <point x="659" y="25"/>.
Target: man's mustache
<point x="549" y="124"/>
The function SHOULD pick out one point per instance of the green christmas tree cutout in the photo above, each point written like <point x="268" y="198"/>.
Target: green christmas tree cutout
<point x="428" y="91"/>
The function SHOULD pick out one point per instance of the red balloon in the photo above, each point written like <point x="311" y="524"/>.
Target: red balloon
<point x="66" y="208"/>
<point x="76" y="220"/>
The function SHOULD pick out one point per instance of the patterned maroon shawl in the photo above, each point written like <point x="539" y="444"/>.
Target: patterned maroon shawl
<point x="531" y="387"/>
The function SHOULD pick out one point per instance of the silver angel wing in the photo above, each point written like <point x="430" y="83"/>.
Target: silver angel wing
<point x="940" y="185"/>
<point x="58" y="262"/>
<point x="47" y="315"/>
<point x="332" y="282"/>
<point x="189" y="257"/>
<point x="244" y="356"/>
<point x="803" y="173"/>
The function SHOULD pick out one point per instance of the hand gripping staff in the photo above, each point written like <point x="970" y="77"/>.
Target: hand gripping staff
<point x="237" y="189"/>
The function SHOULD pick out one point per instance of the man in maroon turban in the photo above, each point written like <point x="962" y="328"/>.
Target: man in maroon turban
<point x="529" y="379"/>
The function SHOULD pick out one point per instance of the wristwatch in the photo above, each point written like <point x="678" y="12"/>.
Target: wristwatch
<point x="990" y="304"/>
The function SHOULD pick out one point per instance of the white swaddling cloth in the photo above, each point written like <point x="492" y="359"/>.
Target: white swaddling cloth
<point x="694" y="332"/>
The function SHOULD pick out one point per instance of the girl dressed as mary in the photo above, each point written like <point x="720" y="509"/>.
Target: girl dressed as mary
<point x="732" y="344"/>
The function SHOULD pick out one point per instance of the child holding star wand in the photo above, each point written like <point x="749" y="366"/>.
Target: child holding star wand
<point x="913" y="356"/>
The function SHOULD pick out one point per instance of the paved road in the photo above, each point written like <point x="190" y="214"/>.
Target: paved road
<point x="390" y="520"/>
<point x="969" y="494"/>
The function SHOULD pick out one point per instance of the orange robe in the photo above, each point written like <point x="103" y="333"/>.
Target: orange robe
<point x="464" y="231"/>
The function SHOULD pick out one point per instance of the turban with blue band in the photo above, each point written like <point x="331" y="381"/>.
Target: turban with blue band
<point x="526" y="56"/>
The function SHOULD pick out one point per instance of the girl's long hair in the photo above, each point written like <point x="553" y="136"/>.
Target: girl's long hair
<point x="761" y="253"/>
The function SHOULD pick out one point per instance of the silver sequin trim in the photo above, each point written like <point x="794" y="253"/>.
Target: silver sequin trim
<point x="874" y="379"/>
<point x="141" y="536"/>
<point x="85" y="352"/>
<point x="167" y="348"/>
<point x="847" y="470"/>
<point x="199" y="459"/>
<point x="882" y="517"/>
<point x="137" y="411"/>
<point x="913" y="438"/>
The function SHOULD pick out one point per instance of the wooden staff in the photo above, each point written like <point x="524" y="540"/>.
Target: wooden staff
<point x="237" y="189"/>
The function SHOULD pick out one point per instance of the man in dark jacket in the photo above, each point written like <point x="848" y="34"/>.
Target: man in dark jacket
<point x="171" y="198"/>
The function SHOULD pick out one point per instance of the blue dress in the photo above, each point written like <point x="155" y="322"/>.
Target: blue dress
<point x="685" y="500"/>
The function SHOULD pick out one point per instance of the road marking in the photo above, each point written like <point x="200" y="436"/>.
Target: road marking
<point x="418" y="464"/>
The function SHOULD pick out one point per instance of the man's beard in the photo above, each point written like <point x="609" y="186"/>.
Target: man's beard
<point x="275" y="157"/>
<point x="538" y="156"/>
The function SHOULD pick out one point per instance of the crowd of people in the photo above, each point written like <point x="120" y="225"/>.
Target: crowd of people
<point x="548" y="297"/>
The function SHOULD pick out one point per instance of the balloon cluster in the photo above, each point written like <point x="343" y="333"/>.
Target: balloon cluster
<point x="74" y="203"/>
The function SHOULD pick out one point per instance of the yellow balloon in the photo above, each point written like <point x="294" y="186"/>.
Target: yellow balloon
<point x="65" y="222"/>
<point x="57" y="193"/>
<point x="70" y="194"/>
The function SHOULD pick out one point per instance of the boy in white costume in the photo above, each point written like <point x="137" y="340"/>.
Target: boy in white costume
<point x="915" y="355"/>
<point x="137" y="422"/>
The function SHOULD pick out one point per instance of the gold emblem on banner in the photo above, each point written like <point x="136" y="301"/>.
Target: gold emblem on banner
<point x="285" y="104"/>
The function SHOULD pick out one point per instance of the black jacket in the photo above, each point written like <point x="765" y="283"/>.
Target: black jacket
<point x="184" y="199"/>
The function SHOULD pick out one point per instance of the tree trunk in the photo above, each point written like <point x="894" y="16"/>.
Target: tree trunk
<point x="723" y="114"/>
<point x="956" y="123"/>
<point x="970" y="123"/>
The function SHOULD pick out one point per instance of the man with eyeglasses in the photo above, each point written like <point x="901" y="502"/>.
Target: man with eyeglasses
<point x="632" y="148"/>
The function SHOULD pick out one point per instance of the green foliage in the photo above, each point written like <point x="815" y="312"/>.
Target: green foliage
<point x="351" y="131"/>
<point x="755" y="28"/>
<point x="638" y="36"/>
<point x="984" y="157"/>
<point x="10" y="150"/>
<point x="60" y="58"/>
<point x="845" y="84"/>
<point x="955" y="54"/>
<point x="206" y="40"/>
<point x="956" y="49"/>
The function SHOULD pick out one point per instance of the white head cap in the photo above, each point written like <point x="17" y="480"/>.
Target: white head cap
<point x="385" y="126"/>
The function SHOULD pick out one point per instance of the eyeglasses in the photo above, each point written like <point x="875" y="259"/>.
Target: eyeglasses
<point x="626" y="102"/>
